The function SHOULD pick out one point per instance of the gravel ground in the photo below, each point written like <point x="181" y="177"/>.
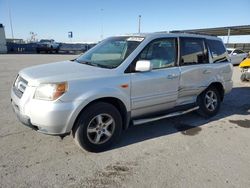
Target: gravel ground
<point x="186" y="151"/>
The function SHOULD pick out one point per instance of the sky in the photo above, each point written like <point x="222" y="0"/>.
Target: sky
<point x="92" y="20"/>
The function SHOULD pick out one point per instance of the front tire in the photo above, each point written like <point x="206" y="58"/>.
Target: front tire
<point x="97" y="127"/>
<point x="209" y="102"/>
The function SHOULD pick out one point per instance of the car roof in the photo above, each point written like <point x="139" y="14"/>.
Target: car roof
<point x="168" y="34"/>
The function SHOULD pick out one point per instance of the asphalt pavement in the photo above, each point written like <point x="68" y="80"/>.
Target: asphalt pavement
<point x="185" y="151"/>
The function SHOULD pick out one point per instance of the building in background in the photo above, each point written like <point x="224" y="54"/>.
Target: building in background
<point x="3" y="47"/>
<point x="18" y="41"/>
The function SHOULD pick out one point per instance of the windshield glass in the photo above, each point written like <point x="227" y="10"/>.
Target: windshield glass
<point x="229" y="51"/>
<point x="111" y="52"/>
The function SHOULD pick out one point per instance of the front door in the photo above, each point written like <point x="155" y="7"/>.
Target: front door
<point x="157" y="89"/>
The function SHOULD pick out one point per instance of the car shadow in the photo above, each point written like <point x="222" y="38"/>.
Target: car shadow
<point x="237" y="102"/>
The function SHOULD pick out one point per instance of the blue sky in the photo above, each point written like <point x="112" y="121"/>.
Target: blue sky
<point x="86" y="18"/>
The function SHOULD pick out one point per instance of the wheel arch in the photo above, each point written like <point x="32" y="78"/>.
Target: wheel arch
<point x="219" y="87"/>
<point x="117" y="103"/>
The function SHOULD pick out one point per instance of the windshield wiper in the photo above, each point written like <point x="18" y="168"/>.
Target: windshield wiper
<point x="103" y="66"/>
<point x="94" y="64"/>
<point x="76" y="60"/>
<point x="84" y="62"/>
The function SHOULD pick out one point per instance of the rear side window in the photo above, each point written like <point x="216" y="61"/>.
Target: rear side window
<point x="193" y="51"/>
<point x="218" y="51"/>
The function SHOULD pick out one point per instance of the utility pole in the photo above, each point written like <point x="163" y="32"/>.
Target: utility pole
<point x="101" y="23"/>
<point x="11" y="27"/>
<point x="228" y="35"/>
<point x="139" y="28"/>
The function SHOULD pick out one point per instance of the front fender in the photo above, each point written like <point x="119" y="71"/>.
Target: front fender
<point x="82" y="101"/>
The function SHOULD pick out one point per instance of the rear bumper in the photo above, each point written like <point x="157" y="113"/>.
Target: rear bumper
<point x="228" y="86"/>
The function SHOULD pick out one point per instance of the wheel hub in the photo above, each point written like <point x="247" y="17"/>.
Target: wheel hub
<point x="211" y="101"/>
<point x="100" y="129"/>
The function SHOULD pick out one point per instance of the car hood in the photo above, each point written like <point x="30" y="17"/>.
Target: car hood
<point x="61" y="71"/>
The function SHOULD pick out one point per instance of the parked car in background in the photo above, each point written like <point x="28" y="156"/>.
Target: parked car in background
<point x="236" y="55"/>
<point x="245" y="69"/>
<point x="47" y="45"/>
<point x="122" y="81"/>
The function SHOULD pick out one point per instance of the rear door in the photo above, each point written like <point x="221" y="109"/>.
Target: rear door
<point x="195" y="69"/>
<point x="157" y="89"/>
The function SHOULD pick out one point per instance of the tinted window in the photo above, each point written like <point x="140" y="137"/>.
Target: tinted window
<point x="218" y="51"/>
<point x="193" y="51"/>
<point x="161" y="53"/>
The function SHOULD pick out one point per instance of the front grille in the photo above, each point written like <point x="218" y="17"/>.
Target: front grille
<point x="19" y="86"/>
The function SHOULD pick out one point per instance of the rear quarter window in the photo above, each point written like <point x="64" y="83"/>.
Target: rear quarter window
<point x="217" y="50"/>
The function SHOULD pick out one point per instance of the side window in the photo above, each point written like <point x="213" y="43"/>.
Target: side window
<point x="161" y="53"/>
<point x="238" y="52"/>
<point x="193" y="51"/>
<point x="218" y="50"/>
<point x="235" y="52"/>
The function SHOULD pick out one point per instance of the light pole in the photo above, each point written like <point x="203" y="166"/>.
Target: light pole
<point x="101" y="23"/>
<point x="228" y="35"/>
<point x="11" y="27"/>
<point x="139" y="25"/>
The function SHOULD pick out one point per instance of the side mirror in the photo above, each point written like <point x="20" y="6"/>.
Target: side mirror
<point x="143" y="66"/>
<point x="234" y="53"/>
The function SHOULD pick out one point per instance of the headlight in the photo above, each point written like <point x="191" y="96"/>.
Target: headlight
<point x="50" y="92"/>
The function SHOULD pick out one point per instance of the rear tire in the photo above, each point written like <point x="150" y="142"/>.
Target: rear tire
<point x="97" y="127"/>
<point x="209" y="102"/>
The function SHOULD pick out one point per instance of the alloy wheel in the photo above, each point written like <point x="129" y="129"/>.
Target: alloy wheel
<point x="100" y="129"/>
<point x="211" y="100"/>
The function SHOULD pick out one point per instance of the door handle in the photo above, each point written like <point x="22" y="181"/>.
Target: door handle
<point x="172" y="76"/>
<point x="207" y="72"/>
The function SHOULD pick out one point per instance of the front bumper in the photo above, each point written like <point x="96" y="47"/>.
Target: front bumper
<point x="48" y="117"/>
<point x="22" y="118"/>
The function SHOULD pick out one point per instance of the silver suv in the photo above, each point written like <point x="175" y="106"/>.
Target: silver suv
<point x="124" y="80"/>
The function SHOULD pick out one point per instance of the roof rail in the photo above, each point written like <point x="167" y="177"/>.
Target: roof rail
<point x="191" y="32"/>
<point x="162" y="32"/>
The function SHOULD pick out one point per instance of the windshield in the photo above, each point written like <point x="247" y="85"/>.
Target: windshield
<point x="229" y="51"/>
<point x="111" y="52"/>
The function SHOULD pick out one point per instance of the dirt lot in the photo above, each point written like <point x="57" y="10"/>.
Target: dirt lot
<point x="186" y="151"/>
